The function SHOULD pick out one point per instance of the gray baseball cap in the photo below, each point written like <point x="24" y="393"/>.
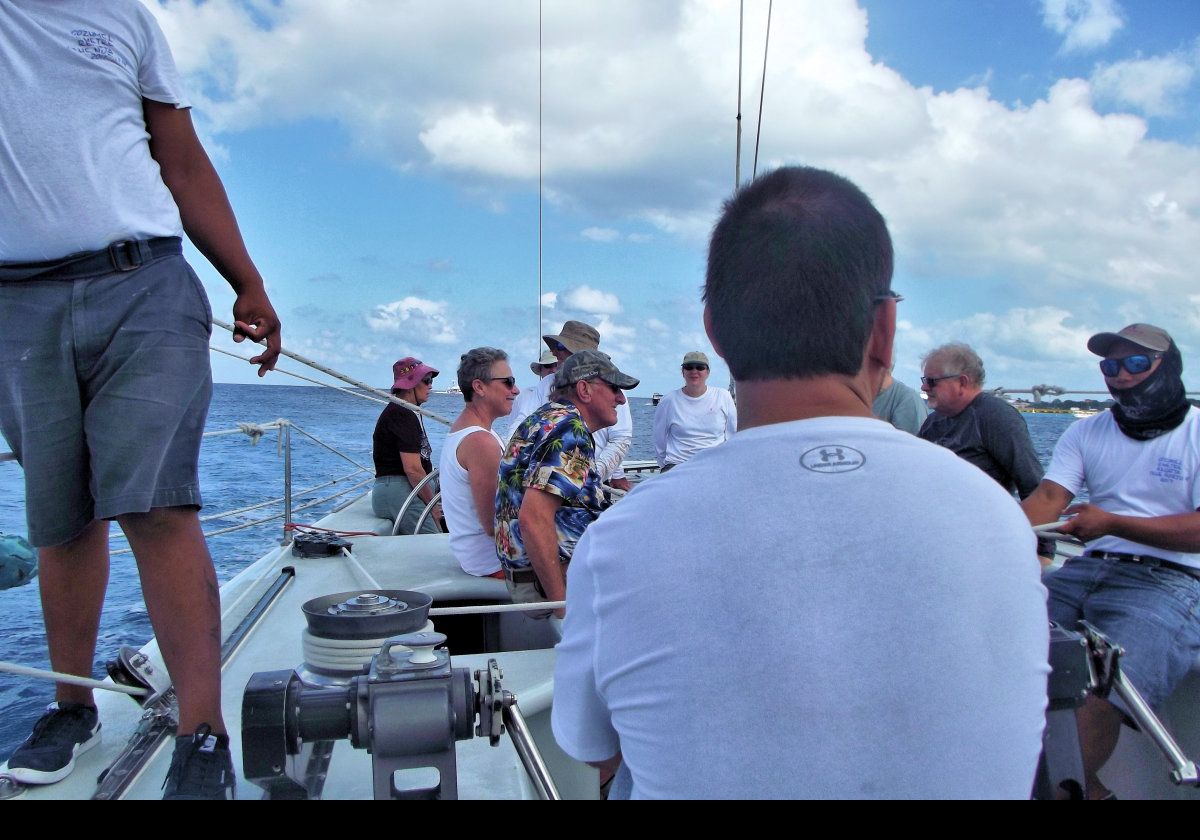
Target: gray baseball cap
<point x="592" y="364"/>
<point x="1143" y="335"/>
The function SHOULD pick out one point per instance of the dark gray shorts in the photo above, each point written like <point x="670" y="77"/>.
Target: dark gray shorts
<point x="104" y="388"/>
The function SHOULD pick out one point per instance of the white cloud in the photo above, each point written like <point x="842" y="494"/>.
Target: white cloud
<point x="591" y="301"/>
<point x="657" y="326"/>
<point x="1193" y="312"/>
<point x="1019" y="345"/>
<point x="550" y="299"/>
<point x="1052" y="195"/>
<point x="1084" y="24"/>
<point x="1151" y="85"/>
<point x="418" y="321"/>
<point x="600" y="234"/>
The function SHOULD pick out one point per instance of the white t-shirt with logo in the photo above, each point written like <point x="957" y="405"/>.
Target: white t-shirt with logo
<point x="1145" y="478"/>
<point x="822" y="608"/>
<point x="74" y="151"/>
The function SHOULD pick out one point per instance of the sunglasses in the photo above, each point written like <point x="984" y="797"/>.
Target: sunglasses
<point x="509" y="381"/>
<point x="1137" y="363"/>
<point x="932" y="381"/>
<point x="691" y="366"/>
<point x="428" y="380"/>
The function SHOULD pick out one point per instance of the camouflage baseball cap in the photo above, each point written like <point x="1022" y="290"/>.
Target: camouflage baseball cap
<point x="592" y="364"/>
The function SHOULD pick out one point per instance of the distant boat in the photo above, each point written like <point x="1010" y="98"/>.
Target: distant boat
<point x="655" y="398"/>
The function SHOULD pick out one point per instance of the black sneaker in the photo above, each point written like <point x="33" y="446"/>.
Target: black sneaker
<point x="201" y="767"/>
<point x="48" y="754"/>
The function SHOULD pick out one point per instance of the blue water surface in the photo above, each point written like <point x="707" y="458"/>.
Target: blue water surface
<point x="234" y="474"/>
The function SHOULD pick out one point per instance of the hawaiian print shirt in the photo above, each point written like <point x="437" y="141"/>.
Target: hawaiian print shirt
<point x="552" y="450"/>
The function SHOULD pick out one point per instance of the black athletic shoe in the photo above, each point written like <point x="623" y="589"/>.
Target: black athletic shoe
<point x="48" y="754"/>
<point x="201" y="767"/>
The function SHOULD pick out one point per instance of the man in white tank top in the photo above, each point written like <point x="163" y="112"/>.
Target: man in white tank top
<point x="471" y="459"/>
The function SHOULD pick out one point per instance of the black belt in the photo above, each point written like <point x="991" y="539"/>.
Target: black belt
<point x="1143" y="560"/>
<point x="126" y="255"/>
<point x="526" y="575"/>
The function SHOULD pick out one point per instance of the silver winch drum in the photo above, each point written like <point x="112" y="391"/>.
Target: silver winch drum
<point x="345" y="630"/>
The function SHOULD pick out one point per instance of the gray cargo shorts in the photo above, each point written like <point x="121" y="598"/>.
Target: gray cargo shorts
<point x="104" y="388"/>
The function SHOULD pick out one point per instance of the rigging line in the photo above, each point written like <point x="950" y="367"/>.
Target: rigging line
<point x="349" y="380"/>
<point x="349" y="555"/>
<point x="71" y="679"/>
<point x="762" y="89"/>
<point x="301" y="376"/>
<point x="540" y="330"/>
<point x="255" y="523"/>
<point x="737" y="157"/>
<point x="340" y="454"/>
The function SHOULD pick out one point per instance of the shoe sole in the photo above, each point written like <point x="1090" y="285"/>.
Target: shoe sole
<point x="29" y="776"/>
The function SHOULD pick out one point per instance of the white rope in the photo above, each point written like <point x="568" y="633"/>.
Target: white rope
<point x="497" y="608"/>
<point x="253" y="431"/>
<point x="241" y="431"/>
<point x="358" y="394"/>
<point x="347" y="379"/>
<point x="374" y="584"/>
<point x="70" y="679"/>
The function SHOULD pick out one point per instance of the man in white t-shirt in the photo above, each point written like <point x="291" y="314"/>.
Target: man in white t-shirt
<point x="693" y="417"/>
<point x="104" y="333"/>
<point x="1138" y="581"/>
<point x="817" y="607"/>
<point x="527" y="402"/>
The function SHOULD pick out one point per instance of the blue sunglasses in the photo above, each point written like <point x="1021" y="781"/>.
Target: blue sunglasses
<point x="1138" y="363"/>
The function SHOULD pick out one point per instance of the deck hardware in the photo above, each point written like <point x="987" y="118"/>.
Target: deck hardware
<point x="407" y="711"/>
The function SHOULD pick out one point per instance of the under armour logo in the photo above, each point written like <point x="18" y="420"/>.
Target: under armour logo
<point x="832" y="458"/>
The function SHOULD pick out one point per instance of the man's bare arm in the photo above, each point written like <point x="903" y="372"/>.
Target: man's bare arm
<point x="1179" y="532"/>
<point x="540" y="538"/>
<point x="1046" y="503"/>
<point x="209" y="222"/>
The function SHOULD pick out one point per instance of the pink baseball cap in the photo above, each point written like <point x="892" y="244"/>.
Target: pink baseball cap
<point x="409" y="371"/>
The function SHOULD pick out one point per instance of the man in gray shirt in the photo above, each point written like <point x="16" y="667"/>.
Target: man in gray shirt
<point x="978" y="427"/>
<point x="900" y="405"/>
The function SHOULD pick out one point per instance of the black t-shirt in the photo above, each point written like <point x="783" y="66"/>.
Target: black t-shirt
<point x="993" y="436"/>
<point x="399" y="430"/>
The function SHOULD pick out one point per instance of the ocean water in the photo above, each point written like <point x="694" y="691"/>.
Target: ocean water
<point x="234" y="474"/>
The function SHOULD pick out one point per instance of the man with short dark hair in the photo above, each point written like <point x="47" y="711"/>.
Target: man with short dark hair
<point x="980" y="428"/>
<point x="1138" y="580"/>
<point x="549" y="491"/>
<point x="773" y="618"/>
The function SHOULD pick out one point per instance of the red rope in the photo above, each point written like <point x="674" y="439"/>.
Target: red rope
<point x="296" y="526"/>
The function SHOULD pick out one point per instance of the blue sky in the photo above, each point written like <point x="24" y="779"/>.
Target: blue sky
<point x="1038" y="162"/>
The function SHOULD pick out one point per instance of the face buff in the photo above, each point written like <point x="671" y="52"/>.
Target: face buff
<point x="1157" y="404"/>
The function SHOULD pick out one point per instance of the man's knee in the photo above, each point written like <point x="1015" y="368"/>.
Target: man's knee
<point x="159" y="522"/>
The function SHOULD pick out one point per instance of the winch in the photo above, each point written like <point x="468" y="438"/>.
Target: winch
<point x="404" y="703"/>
